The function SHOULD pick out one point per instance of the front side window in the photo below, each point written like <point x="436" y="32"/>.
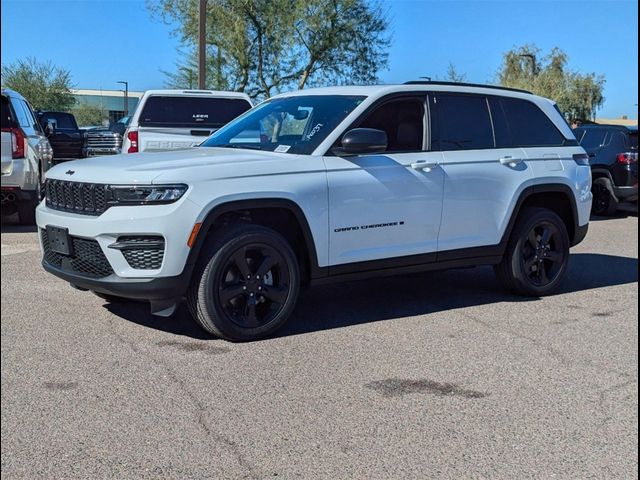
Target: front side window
<point x="402" y="120"/>
<point x="64" y="121"/>
<point x="190" y="112"/>
<point x="461" y="122"/>
<point x="295" y="124"/>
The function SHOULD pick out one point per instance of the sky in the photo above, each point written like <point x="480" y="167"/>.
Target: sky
<point x="104" y="41"/>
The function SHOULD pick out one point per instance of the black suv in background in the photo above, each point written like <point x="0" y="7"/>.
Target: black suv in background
<point x="613" y="156"/>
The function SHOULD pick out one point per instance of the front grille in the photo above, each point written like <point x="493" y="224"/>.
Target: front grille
<point x="76" y="197"/>
<point x="87" y="257"/>
<point x="103" y="142"/>
<point x="143" y="252"/>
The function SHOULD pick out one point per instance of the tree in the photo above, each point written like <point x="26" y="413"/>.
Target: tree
<point x="266" y="46"/>
<point x="578" y="95"/>
<point x="88" y="114"/>
<point x="44" y="85"/>
<point x="453" y="75"/>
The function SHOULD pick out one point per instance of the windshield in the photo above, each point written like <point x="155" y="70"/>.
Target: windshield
<point x="288" y="125"/>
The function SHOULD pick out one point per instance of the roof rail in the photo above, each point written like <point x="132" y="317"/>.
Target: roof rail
<point x="462" y="84"/>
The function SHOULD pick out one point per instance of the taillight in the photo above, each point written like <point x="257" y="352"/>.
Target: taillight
<point x="581" y="158"/>
<point x="133" y="138"/>
<point x="627" y="158"/>
<point x="18" y="141"/>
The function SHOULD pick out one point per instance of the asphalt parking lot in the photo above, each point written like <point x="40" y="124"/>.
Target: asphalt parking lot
<point x="437" y="375"/>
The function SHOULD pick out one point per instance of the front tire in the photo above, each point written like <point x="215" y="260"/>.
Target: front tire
<point x="537" y="254"/>
<point x="245" y="285"/>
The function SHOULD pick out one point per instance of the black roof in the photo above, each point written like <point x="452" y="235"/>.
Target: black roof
<point x="462" y="84"/>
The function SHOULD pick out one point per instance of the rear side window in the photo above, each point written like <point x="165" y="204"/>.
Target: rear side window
<point x="529" y="126"/>
<point x="61" y="120"/>
<point x="194" y="112"/>
<point x="462" y="122"/>
<point x="591" y="137"/>
<point x="7" y="116"/>
<point x="22" y="114"/>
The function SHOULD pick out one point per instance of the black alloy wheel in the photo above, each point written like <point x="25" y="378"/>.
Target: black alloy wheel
<point x="542" y="260"/>
<point x="246" y="283"/>
<point x="254" y="285"/>
<point x="537" y="254"/>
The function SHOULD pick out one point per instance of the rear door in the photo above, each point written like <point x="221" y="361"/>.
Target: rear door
<point x="483" y="171"/>
<point x="7" y="149"/>
<point x="175" y="122"/>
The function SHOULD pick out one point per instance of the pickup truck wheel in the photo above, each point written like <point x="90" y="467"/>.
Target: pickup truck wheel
<point x="605" y="202"/>
<point x="245" y="285"/>
<point x="537" y="254"/>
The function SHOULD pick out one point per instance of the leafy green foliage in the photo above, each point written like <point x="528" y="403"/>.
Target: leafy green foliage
<point x="88" y="115"/>
<point x="578" y="95"/>
<point x="266" y="46"/>
<point x="44" y="85"/>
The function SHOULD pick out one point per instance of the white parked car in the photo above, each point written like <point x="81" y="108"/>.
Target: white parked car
<point x="323" y="185"/>
<point x="26" y="156"/>
<point x="175" y="119"/>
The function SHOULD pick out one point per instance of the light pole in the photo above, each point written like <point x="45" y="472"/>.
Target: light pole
<point x="126" y="96"/>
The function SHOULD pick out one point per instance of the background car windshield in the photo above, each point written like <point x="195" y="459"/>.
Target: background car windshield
<point x="195" y="112"/>
<point x="288" y="125"/>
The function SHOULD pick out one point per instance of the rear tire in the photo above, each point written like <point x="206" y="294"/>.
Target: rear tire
<point x="245" y="284"/>
<point x="537" y="254"/>
<point x="605" y="203"/>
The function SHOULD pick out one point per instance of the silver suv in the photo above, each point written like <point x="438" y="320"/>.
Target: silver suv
<point x="26" y="155"/>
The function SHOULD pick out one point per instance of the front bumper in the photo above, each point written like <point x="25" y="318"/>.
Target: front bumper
<point x="173" y="222"/>
<point x="152" y="289"/>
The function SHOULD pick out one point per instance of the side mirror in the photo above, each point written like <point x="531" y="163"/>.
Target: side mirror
<point x="49" y="129"/>
<point x="363" y="141"/>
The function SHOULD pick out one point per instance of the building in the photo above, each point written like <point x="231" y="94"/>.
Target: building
<point x="628" y="122"/>
<point x="112" y="102"/>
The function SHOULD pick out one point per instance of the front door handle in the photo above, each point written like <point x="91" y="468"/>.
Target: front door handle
<point x="510" y="161"/>
<point x="424" y="165"/>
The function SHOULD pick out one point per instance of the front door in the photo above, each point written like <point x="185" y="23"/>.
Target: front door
<point x="387" y="205"/>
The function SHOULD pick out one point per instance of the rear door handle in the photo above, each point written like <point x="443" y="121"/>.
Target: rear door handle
<point x="510" y="161"/>
<point x="424" y="165"/>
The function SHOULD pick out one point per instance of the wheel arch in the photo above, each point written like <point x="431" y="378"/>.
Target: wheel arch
<point x="556" y="197"/>
<point x="281" y="214"/>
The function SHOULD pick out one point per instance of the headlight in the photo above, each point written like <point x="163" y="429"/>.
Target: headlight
<point x="144" y="194"/>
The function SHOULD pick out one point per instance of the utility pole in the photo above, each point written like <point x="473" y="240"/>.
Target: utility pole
<point x="126" y="97"/>
<point x="202" y="37"/>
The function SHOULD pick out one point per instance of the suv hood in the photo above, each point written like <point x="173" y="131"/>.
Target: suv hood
<point x="194" y="164"/>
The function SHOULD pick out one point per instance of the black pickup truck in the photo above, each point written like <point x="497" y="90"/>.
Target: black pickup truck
<point x="66" y="139"/>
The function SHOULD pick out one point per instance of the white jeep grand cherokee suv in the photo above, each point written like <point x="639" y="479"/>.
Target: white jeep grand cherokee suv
<point x="321" y="185"/>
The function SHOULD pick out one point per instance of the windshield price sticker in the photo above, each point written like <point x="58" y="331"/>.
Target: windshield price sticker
<point x="282" y="148"/>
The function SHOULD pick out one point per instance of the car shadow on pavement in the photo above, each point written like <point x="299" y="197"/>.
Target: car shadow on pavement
<point x="346" y="304"/>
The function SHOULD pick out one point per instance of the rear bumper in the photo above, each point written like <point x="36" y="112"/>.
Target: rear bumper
<point x="626" y="194"/>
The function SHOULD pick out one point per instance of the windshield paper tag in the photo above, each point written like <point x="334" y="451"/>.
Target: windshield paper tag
<point x="282" y="148"/>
